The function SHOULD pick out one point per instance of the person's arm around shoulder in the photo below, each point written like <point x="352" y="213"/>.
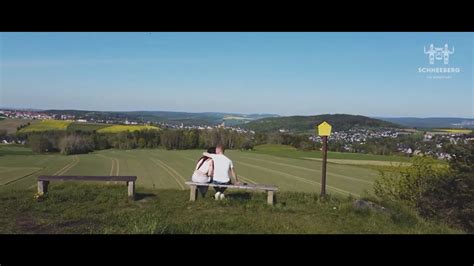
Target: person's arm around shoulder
<point x="210" y="155"/>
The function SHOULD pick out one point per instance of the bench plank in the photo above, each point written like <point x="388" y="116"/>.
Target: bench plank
<point x="44" y="180"/>
<point x="267" y="188"/>
<point x="86" y="178"/>
<point x="248" y="186"/>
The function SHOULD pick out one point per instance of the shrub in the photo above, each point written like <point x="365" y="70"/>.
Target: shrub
<point x="450" y="198"/>
<point x="408" y="183"/>
<point x="434" y="191"/>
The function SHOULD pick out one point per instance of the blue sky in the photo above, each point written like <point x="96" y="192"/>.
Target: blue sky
<point x="373" y="74"/>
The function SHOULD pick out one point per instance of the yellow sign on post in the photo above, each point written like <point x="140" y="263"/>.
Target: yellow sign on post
<point x="324" y="129"/>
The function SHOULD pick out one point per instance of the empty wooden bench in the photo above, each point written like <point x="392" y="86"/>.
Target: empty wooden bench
<point x="43" y="181"/>
<point x="269" y="189"/>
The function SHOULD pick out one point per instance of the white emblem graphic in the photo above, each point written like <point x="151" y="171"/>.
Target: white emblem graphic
<point x="438" y="53"/>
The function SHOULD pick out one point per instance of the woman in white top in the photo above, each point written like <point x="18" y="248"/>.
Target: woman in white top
<point x="204" y="168"/>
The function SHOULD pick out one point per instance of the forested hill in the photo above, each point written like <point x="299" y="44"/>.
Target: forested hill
<point x="306" y="123"/>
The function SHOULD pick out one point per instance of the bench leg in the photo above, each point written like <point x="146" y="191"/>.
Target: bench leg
<point x="202" y="190"/>
<point x="270" y="197"/>
<point x="131" y="189"/>
<point x="43" y="186"/>
<point x="192" y="193"/>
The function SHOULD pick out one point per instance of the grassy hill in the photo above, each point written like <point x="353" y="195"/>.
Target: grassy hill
<point x="307" y="123"/>
<point x="11" y="125"/>
<point x="105" y="209"/>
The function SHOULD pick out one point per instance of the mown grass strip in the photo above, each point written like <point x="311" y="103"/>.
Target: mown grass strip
<point x="301" y="179"/>
<point x="312" y="170"/>
<point x="169" y="172"/>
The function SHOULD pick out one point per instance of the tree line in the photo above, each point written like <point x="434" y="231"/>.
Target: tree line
<point x="86" y="141"/>
<point x="179" y="139"/>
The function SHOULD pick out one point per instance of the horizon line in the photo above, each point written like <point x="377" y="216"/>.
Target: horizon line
<point x="257" y="113"/>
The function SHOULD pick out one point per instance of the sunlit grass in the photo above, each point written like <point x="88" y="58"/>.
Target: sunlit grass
<point x="104" y="209"/>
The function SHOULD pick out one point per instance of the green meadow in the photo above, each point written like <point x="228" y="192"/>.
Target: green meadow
<point x="162" y="205"/>
<point x="163" y="169"/>
<point x="291" y="152"/>
<point x="100" y="209"/>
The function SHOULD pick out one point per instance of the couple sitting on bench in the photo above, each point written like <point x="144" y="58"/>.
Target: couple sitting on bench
<point x="214" y="167"/>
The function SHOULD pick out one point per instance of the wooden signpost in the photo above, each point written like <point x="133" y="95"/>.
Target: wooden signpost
<point x="324" y="130"/>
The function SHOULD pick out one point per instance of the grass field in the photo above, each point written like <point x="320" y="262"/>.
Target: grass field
<point x="291" y="152"/>
<point x="162" y="204"/>
<point x="45" y="125"/>
<point x="361" y="162"/>
<point x="121" y="128"/>
<point x="98" y="209"/>
<point x="162" y="169"/>
<point x="14" y="149"/>
<point x="10" y="125"/>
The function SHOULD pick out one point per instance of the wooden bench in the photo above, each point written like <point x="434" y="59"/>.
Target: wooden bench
<point x="43" y="181"/>
<point x="267" y="188"/>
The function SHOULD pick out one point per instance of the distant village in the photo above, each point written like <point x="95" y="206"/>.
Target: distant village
<point x="349" y="137"/>
<point x="360" y="136"/>
<point x="35" y="115"/>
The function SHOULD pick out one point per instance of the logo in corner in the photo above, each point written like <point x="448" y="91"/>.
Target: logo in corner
<point x="438" y="53"/>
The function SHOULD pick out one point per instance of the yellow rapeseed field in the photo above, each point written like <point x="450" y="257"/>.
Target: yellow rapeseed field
<point x="121" y="128"/>
<point x="46" y="125"/>
<point x="457" y="131"/>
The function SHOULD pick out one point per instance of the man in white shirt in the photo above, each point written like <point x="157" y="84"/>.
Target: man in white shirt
<point x="222" y="167"/>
